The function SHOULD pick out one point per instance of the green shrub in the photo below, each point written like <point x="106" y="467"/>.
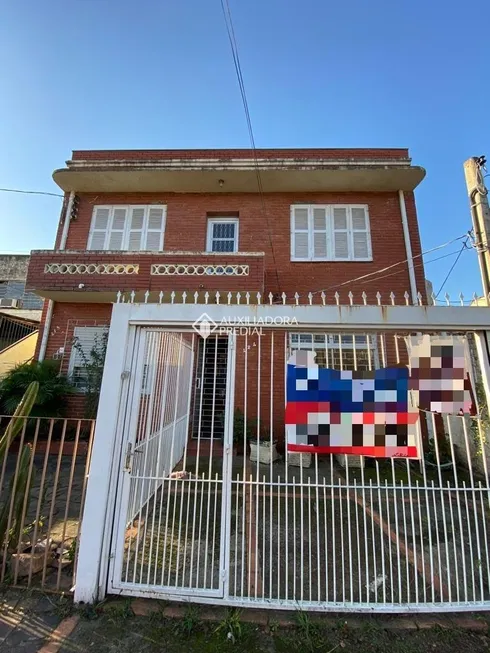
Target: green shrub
<point x="53" y="388"/>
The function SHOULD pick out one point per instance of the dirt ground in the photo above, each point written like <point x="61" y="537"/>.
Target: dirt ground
<point x="36" y="623"/>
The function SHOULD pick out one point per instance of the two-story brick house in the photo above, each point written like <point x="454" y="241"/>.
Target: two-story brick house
<point x="158" y="221"/>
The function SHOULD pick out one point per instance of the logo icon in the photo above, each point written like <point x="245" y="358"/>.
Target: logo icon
<point x="204" y="325"/>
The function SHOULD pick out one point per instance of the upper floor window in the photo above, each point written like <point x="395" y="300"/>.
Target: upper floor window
<point x="127" y="228"/>
<point x="222" y="235"/>
<point x="339" y="351"/>
<point x="330" y="232"/>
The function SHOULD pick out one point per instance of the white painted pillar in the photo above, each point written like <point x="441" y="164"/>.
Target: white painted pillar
<point x="93" y="556"/>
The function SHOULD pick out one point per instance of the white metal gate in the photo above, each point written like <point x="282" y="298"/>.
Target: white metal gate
<point x="195" y="518"/>
<point x="170" y="525"/>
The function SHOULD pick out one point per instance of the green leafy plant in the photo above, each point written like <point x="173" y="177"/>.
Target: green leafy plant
<point x="483" y="418"/>
<point x="92" y="371"/>
<point x="53" y="388"/>
<point x="230" y="627"/>
<point x="444" y="449"/>
<point x="189" y="622"/>
<point x="21" y="482"/>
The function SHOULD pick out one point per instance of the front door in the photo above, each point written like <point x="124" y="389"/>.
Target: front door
<point x="210" y="388"/>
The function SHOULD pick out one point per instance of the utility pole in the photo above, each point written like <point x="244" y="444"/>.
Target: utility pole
<point x="480" y="214"/>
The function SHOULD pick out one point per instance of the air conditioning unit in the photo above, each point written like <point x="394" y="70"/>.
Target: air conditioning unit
<point x="9" y="303"/>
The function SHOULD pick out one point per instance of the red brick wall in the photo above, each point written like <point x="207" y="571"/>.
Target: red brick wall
<point x="359" y="154"/>
<point x="64" y="320"/>
<point x="187" y="223"/>
<point x="186" y="229"/>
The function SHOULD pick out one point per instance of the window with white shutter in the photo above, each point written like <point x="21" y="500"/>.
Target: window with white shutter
<point x="88" y="347"/>
<point x="127" y="228"/>
<point x="330" y="233"/>
<point x="100" y="225"/>
<point x="300" y="238"/>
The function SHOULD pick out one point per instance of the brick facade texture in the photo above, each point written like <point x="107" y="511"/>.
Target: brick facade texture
<point x="260" y="230"/>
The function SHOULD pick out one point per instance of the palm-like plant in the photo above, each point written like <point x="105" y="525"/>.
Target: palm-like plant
<point x="53" y="388"/>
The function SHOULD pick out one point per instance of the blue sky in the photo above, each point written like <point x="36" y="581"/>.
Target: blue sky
<point x="88" y="74"/>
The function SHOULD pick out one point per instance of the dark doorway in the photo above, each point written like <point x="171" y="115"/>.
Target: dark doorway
<point x="210" y="388"/>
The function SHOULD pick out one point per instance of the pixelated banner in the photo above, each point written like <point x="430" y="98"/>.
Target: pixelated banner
<point x="440" y="374"/>
<point x="366" y="413"/>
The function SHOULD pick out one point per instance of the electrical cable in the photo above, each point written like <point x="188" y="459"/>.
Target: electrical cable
<point x="225" y="6"/>
<point x="30" y="192"/>
<point x="452" y="267"/>
<point x="389" y="267"/>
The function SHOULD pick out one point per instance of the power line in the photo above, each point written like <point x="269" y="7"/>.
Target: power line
<point x="389" y="267"/>
<point x="417" y="265"/>
<point x="452" y="267"/>
<point x="225" y="6"/>
<point x="30" y="192"/>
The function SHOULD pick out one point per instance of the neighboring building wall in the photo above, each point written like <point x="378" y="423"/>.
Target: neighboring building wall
<point x="20" y="352"/>
<point x="13" y="273"/>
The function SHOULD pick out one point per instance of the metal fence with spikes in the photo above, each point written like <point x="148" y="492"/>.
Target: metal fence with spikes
<point x="309" y="299"/>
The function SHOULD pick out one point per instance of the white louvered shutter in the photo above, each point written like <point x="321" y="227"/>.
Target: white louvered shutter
<point x="319" y="233"/>
<point x="300" y="235"/>
<point x="136" y="226"/>
<point x="155" y="229"/>
<point x="340" y="233"/>
<point x="118" y="225"/>
<point x="86" y="338"/>
<point x="360" y="234"/>
<point x="98" y="231"/>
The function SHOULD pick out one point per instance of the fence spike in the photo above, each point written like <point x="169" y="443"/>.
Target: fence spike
<point x="172" y="297"/>
<point x="217" y="296"/>
<point x="364" y="298"/>
<point x="228" y="297"/>
<point x="461" y="298"/>
<point x="206" y="297"/>
<point x="337" y="297"/>
<point x="184" y="297"/>
<point x="132" y="296"/>
<point x="475" y="297"/>
<point x="420" y="298"/>
<point x="160" y="296"/>
<point x="259" y="298"/>
<point x="448" y="299"/>
<point x="247" y="297"/>
<point x="407" y="298"/>
<point x="118" y="297"/>
<point x="283" y="296"/>
<point x="434" y="299"/>
<point x="392" y="297"/>
<point x="147" y="295"/>
<point x="351" y="297"/>
<point x="378" y="297"/>
<point x="296" y="298"/>
<point x="271" y="297"/>
<point x="196" y="297"/>
<point x="238" y="297"/>
<point x="323" y="297"/>
<point x="123" y="300"/>
<point x="310" y="298"/>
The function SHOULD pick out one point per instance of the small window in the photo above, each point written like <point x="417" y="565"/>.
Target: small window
<point x="87" y="353"/>
<point x="339" y="351"/>
<point x="330" y="233"/>
<point x="222" y="235"/>
<point x="127" y="228"/>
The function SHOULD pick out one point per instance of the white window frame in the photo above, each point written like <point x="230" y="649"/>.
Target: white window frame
<point x="329" y="209"/>
<point x="127" y="226"/>
<point x="222" y="220"/>
<point x="103" y="328"/>
<point x="337" y="342"/>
